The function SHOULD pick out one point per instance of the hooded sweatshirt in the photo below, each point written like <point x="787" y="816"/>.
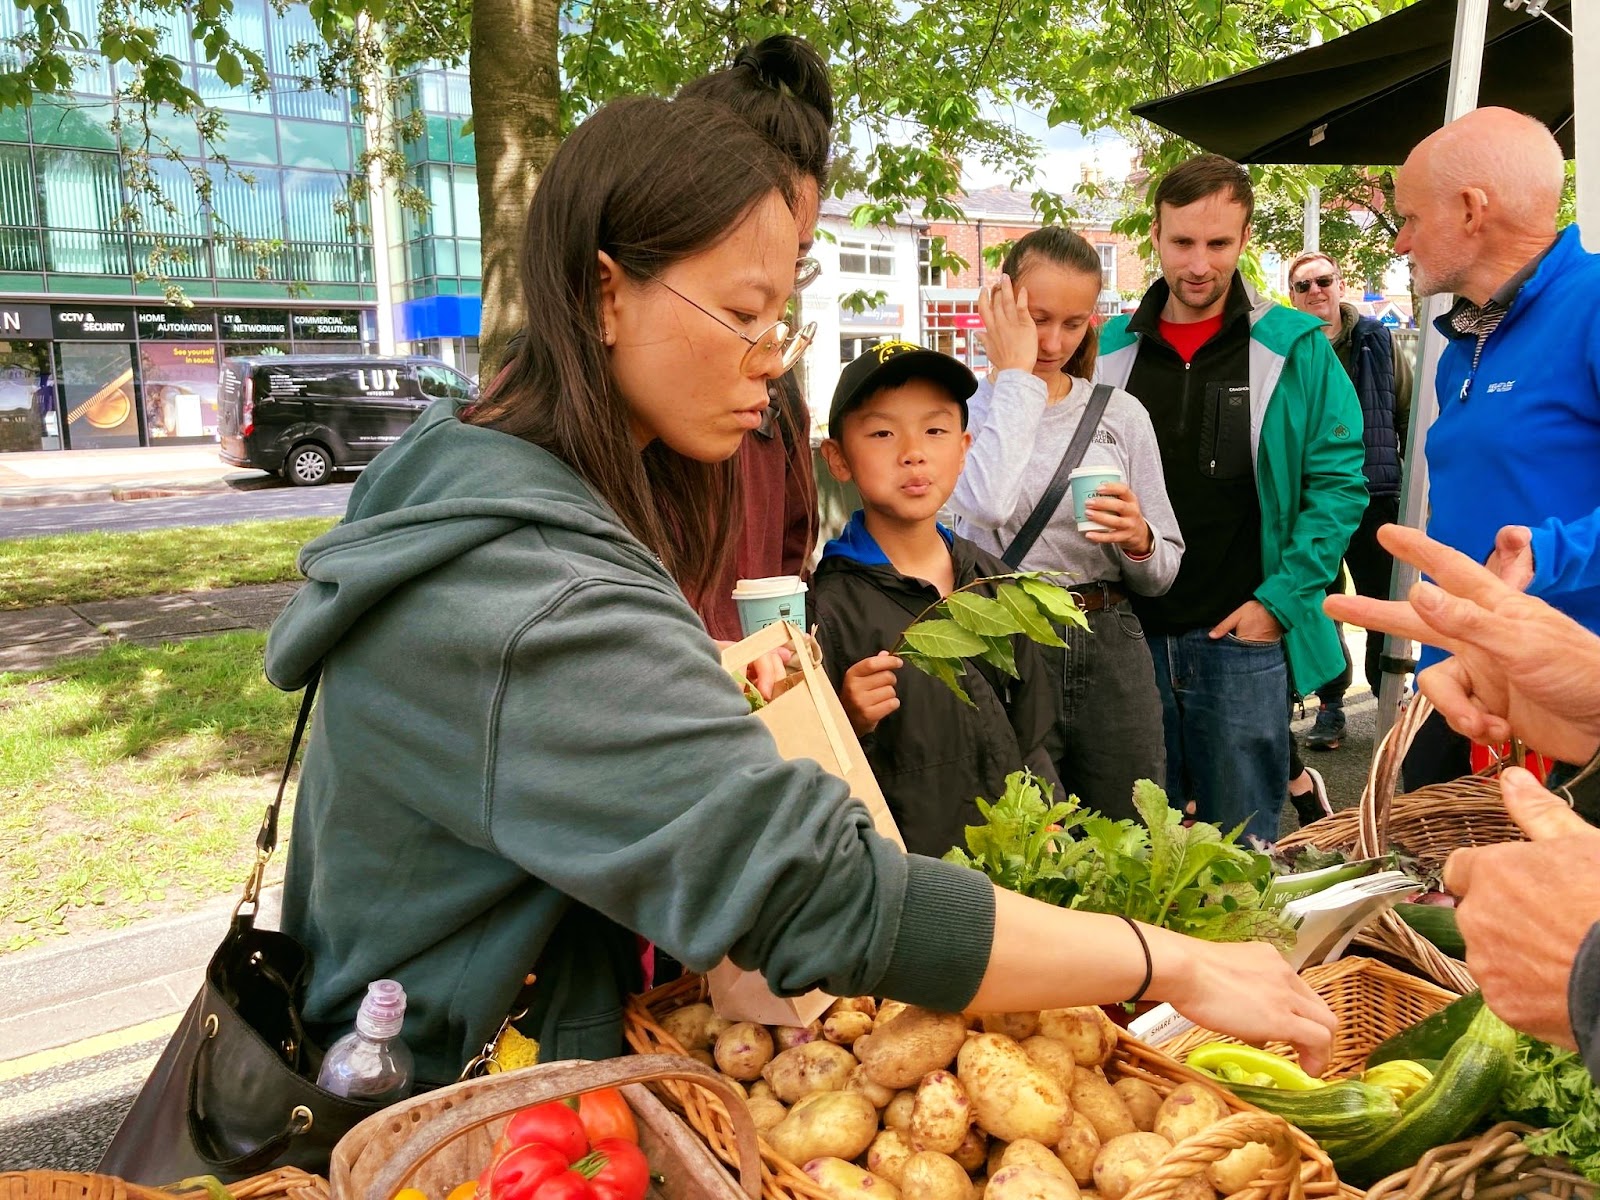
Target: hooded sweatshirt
<point x="525" y="747"/>
<point x="934" y="755"/>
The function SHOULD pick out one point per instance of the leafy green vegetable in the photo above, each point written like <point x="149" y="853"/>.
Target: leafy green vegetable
<point x="1193" y="879"/>
<point x="1551" y="1087"/>
<point x="967" y="625"/>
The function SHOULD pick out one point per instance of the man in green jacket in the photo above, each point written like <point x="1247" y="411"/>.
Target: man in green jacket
<point x="1260" y="435"/>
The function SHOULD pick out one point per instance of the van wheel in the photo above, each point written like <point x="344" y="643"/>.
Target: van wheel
<point x="308" y="464"/>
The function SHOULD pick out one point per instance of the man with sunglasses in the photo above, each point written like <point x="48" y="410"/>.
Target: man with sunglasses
<point x="1381" y="373"/>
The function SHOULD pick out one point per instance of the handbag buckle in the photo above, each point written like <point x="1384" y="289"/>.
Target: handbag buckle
<point x="252" y="886"/>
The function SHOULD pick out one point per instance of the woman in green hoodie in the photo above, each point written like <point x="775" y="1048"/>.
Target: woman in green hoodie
<point x="526" y="750"/>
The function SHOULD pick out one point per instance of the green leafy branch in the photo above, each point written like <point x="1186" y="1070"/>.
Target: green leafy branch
<point x="965" y="624"/>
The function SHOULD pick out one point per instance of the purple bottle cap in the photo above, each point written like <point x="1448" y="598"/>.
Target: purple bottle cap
<point x="383" y="1010"/>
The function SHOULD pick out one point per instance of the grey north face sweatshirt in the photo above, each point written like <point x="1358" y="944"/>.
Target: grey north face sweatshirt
<point x="1017" y="442"/>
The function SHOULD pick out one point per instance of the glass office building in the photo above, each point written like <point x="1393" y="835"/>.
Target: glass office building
<point x="89" y="354"/>
<point x="443" y="256"/>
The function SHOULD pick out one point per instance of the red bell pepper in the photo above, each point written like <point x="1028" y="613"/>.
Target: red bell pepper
<point x="605" y="1114"/>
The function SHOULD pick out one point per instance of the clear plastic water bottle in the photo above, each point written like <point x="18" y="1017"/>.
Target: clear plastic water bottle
<point x="371" y="1062"/>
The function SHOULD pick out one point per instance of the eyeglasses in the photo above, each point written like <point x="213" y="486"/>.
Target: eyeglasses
<point x="774" y="340"/>
<point x="1302" y="286"/>
<point x="806" y="271"/>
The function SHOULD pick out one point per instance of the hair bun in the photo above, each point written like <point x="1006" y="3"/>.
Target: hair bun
<point x="787" y="63"/>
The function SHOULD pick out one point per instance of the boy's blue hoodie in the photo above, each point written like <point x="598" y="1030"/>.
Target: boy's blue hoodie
<point x="934" y="755"/>
<point x="1517" y="440"/>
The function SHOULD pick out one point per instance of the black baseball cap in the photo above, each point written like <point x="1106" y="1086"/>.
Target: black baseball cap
<point x="889" y="364"/>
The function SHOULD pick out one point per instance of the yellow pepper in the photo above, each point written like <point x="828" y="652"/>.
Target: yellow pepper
<point x="1230" y="1062"/>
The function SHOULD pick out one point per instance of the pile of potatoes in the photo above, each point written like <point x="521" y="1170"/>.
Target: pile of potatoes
<point x="888" y="1100"/>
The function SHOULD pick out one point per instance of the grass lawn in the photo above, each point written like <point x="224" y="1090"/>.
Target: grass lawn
<point x="72" y="568"/>
<point x="134" y="782"/>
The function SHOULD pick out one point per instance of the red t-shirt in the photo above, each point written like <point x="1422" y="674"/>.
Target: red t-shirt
<point x="1187" y="338"/>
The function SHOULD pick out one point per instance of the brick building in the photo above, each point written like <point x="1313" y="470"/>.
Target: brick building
<point x="997" y="216"/>
<point x="916" y="303"/>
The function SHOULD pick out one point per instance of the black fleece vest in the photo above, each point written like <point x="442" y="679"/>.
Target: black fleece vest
<point x="1372" y="372"/>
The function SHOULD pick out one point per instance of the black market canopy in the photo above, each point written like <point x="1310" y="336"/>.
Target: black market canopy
<point x="1369" y="96"/>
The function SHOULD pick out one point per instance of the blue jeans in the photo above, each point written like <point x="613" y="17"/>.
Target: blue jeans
<point x="1227" y="741"/>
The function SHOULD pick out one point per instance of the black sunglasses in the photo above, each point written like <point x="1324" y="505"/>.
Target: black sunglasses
<point x="1302" y="286"/>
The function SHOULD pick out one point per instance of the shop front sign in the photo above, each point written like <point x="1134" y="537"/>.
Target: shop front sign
<point x="24" y="322"/>
<point x="96" y="323"/>
<point x="176" y="325"/>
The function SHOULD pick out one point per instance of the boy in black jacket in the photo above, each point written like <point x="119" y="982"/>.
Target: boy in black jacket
<point x="897" y="430"/>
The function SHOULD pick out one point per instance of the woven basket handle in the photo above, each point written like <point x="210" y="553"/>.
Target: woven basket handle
<point x="1190" y="1157"/>
<point x="1383" y="778"/>
<point x="558" y="1081"/>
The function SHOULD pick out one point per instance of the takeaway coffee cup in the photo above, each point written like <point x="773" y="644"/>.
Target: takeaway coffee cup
<point x="764" y="602"/>
<point x="1085" y="482"/>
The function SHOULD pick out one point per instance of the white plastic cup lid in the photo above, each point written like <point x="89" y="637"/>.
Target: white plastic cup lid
<point x="1083" y="471"/>
<point x="773" y="585"/>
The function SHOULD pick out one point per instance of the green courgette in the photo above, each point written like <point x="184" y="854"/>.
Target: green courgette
<point x="1346" y="1110"/>
<point x="1433" y="1036"/>
<point x="1436" y="923"/>
<point x="1466" y="1086"/>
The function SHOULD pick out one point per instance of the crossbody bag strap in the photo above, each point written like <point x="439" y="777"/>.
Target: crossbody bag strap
<point x="1051" y="500"/>
<point x="267" y="836"/>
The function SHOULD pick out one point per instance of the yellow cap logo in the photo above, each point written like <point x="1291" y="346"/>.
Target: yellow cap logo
<point x="887" y="350"/>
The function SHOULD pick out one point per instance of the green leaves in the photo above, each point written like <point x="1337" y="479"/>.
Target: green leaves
<point x="1195" y="879"/>
<point x="982" y="615"/>
<point x="967" y="624"/>
<point x="947" y="671"/>
<point x="1035" y="624"/>
<point x="943" y="639"/>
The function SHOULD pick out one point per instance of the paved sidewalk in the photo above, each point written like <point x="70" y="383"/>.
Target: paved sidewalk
<point x="87" y="476"/>
<point x="86" y="986"/>
<point x="37" y="637"/>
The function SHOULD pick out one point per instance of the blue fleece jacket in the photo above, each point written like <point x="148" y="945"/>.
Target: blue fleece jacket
<point x="1517" y="441"/>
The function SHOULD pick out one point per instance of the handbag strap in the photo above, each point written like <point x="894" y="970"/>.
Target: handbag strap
<point x="267" y="836"/>
<point x="1051" y="500"/>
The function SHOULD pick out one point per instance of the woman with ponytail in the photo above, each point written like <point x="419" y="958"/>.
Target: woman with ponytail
<point x="1039" y="332"/>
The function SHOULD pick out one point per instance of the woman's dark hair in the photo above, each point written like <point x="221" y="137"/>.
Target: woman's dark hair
<point x="650" y="182"/>
<point x="1059" y="245"/>
<point x="780" y="86"/>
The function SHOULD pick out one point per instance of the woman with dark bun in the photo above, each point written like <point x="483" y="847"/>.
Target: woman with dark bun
<point x="780" y="88"/>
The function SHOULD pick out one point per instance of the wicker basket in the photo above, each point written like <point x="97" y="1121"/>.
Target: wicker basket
<point x="1429" y="823"/>
<point x="1300" y="1170"/>
<point x="286" y="1183"/>
<point x="443" y="1138"/>
<point x="1495" y="1165"/>
<point x="1372" y="1000"/>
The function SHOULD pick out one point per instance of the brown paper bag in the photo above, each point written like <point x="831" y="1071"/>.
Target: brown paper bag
<point x="807" y="721"/>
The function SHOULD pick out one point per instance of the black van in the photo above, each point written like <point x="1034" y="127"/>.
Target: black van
<point x="307" y="415"/>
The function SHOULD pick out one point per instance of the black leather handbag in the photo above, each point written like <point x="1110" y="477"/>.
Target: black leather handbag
<point x="233" y="1094"/>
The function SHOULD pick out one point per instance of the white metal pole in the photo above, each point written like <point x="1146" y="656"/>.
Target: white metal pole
<point x="1466" y="66"/>
<point x="1312" y="235"/>
<point x="1586" y="118"/>
<point x="381" y="207"/>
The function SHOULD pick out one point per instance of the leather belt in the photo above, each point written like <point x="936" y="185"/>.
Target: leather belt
<point x="1092" y="597"/>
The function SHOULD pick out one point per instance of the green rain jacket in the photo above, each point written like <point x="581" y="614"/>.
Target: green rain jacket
<point x="525" y="747"/>
<point x="1305" y="423"/>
